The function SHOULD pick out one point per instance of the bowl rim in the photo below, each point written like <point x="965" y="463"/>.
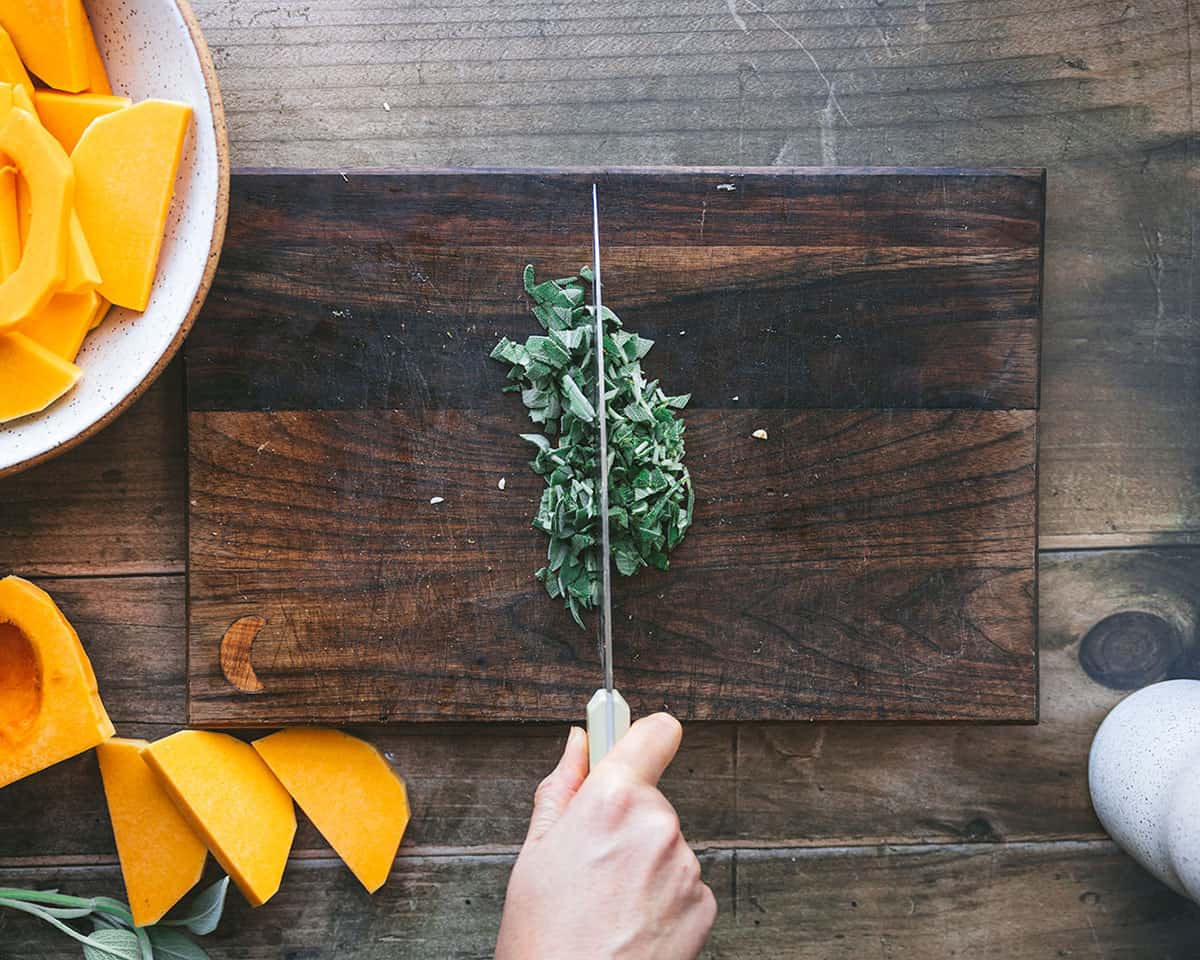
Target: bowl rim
<point x="209" y="73"/>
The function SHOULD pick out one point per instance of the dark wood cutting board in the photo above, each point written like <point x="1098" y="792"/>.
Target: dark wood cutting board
<point x="874" y="558"/>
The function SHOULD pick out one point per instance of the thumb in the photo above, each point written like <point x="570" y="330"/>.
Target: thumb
<point x="557" y="790"/>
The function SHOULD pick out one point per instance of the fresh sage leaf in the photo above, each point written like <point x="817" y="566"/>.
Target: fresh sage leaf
<point x="202" y="914"/>
<point x="112" y="945"/>
<point x="651" y="499"/>
<point x="172" y="944"/>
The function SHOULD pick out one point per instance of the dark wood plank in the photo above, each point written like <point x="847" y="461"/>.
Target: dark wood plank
<point x="855" y="565"/>
<point x="1016" y="902"/>
<point x="115" y="505"/>
<point x="789" y="290"/>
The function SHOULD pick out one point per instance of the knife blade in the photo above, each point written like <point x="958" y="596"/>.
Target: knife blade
<point x="607" y="712"/>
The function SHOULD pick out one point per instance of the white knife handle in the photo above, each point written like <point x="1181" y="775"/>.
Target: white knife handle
<point x="607" y="722"/>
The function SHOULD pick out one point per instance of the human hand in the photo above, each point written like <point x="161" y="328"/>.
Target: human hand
<point x="605" y="871"/>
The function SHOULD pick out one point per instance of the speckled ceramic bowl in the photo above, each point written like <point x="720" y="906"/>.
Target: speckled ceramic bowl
<point x="152" y="48"/>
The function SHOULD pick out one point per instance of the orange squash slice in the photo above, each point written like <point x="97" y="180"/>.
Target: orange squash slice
<point x="233" y="800"/>
<point x="125" y="164"/>
<point x="45" y="168"/>
<point x="50" y="36"/>
<point x="12" y="70"/>
<point x="33" y="377"/>
<point x="161" y="856"/>
<point x="67" y="115"/>
<point x="61" y="324"/>
<point x="97" y="74"/>
<point x="349" y="792"/>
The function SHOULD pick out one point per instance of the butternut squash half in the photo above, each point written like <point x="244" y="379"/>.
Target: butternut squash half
<point x="233" y="800"/>
<point x="161" y="856"/>
<point x="44" y="166"/>
<point x="348" y="790"/>
<point x="50" y="708"/>
<point x="125" y="164"/>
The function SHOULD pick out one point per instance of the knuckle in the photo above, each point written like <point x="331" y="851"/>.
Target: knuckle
<point x="546" y="789"/>
<point x="708" y="906"/>
<point x="617" y="799"/>
<point x="665" y="820"/>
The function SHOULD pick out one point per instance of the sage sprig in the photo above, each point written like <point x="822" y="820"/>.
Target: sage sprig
<point x="114" y="936"/>
<point x="650" y="490"/>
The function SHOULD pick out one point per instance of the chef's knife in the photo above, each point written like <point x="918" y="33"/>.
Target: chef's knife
<point x="607" y="712"/>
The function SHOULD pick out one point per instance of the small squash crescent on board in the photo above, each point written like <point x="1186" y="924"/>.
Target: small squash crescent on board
<point x="46" y="168"/>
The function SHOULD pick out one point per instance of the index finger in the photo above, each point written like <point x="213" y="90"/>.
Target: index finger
<point x="649" y="747"/>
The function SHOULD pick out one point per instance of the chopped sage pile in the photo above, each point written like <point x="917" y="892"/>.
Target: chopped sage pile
<point x="113" y="935"/>
<point x="650" y="490"/>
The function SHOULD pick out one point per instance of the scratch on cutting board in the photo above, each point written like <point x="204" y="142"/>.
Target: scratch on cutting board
<point x="1152" y="241"/>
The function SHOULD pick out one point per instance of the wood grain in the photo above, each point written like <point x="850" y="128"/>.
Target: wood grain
<point x="870" y="564"/>
<point x="1018" y="902"/>
<point x="794" y="289"/>
<point x="113" y="506"/>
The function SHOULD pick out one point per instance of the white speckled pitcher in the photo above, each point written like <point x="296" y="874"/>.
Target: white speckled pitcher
<point x="1144" y="775"/>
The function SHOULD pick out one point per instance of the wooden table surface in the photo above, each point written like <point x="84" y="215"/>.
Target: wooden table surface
<point x="820" y="840"/>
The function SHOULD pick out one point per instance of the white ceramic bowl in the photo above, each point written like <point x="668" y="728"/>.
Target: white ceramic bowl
<point x="152" y="48"/>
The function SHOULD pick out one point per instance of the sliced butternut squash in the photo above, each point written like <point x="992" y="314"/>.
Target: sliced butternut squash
<point x="12" y="70"/>
<point x="23" y="99"/>
<point x="125" y="165"/>
<point x="349" y="792"/>
<point x="10" y="232"/>
<point x="161" y="856"/>
<point x="81" y="271"/>
<point x="50" y="708"/>
<point x="61" y="324"/>
<point x="102" y="306"/>
<point x="33" y="377"/>
<point x="233" y="800"/>
<point x="66" y="115"/>
<point x="97" y="74"/>
<point x="50" y="36"/>
<point x="44" y="166"/>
